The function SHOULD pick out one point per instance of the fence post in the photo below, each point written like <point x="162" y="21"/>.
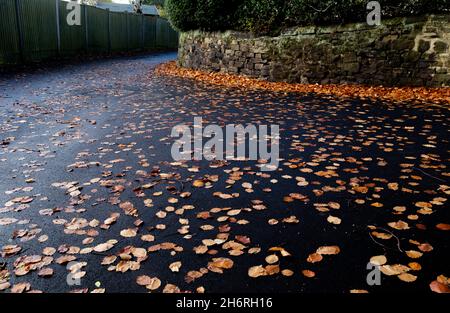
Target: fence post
<point x="109" y="30"/>
<point x="86" y="39"/>
<point x="58" y="27"/>
<point x="128" y="31"/>
<point x="143" y="31"/>
<point x="19" y="29"/>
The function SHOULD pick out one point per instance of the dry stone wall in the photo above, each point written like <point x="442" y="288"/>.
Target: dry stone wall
<point x="410" y="51"/>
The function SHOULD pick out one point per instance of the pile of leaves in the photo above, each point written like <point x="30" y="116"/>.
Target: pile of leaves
<point x="401" y="94"/>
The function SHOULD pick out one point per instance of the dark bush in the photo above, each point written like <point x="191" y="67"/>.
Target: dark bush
<point x="215" y="14"/>
<point x="393" y="8"/>
<point x="182" y="14"/>
<point x="260" y="16"/>
<point x="307" y="12"/>
<point x="270" y="16"/>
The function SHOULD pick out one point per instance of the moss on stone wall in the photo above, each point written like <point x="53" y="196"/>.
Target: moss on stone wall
<point x="402" y="51"/>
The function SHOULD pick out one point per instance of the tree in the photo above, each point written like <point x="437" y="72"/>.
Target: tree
<point x="182" y="14"/>
<point x="137" y="5"/>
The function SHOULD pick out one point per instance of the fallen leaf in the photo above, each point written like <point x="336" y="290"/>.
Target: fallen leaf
<point x="308" y="273"/>
<point x="144" y="280"/>
<point x="314" y="258"/>
<point x="257" y="271"/>
<point x="400" y="225"/>
<point x="442" y="226"/>
<point x="175" y="266"/>
<point x="272" y="259"/>
<point x="334" y="220"/>
<point x="406" y="277"/>
<point x="154" y="284"/>
<point x="328" y="250"/>
<point x="378" y="260"/>
<point x="128" y="233"/>
<point x="438" y="287"/>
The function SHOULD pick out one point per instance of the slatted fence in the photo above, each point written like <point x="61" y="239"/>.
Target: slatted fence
<point x="34" y="30"/>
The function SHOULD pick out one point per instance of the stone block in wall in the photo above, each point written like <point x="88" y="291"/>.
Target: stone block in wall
<point x="441" y="80"/>
<point x="246" y="71"/>
<point x="229" y="52"/>
<point x="411" y="56"/>
<point x="258" y="66"/>
<point x="424" y="46"/>
<point x="440" y="46"/>
<point x="403" y="43"/>
<point x="351" y="67"/>
<point x="265" y="72"/>
<point x="441" y="70"/>
<point x="249" y="66"/>
<point x="235" y="47"/>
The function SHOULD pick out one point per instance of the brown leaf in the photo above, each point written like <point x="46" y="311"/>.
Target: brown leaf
<point x="218" y="264"/>
<point x="414" y="254"/>
<point x="438" y="287"/>
<point x="169" y="288"/>
<point x="45" y="272"/>
<point x="395" y="269"/>
<point x="128" y="208"/>
<point x="144" y="280"/>
<point x="107" y="260"/>
<point x="129" y="233"/>
<point x="175" y="266"/>
<point x="287" y="272"/>
<point x="198" y="183"/>
<point x="154" y="284"/>
<point x="334" y="220"/>
<point x="406" y="277"/>
<point x="314" y="258"/>
<point x="378" y="260"/>
<point x="443" y="226"/>
<point x="328" y="250"/>
<point x="400" y="225"/>
<point x="257" y="271"/>
<point x="272" y="259"/>
<point x="308" y="273"/>
<point x="104" y="246"/>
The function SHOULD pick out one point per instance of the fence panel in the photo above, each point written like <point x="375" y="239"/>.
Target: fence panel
<point x="166" y="37"/>
<point x="73" y="37"/>
<point x="97" y="24"/>
<point x="135" y="33"/>
<point x="9" y="43"/>
<point x="150" y="32"/>
<point x="118" y="22"/>
<point x="32" y="30"/>
<point x="38" y="22"/>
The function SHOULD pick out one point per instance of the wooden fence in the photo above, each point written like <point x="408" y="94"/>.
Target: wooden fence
<point x="34" y="30"/>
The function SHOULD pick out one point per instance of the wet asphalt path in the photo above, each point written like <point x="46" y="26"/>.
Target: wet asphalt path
<point x="102" y="130"/>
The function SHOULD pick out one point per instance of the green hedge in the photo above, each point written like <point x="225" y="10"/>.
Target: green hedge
<point x="271" y="16"/>
<point x="182" y="14"/>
